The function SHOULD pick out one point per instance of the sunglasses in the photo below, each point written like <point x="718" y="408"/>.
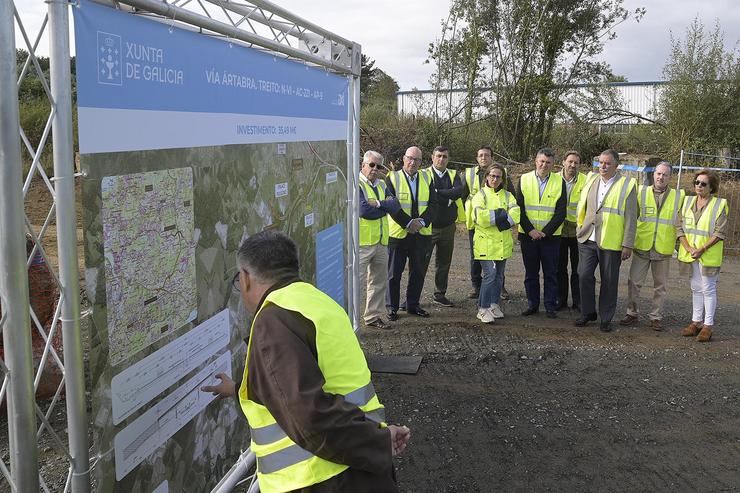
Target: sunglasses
<point x="373" y="165"/>
<point x="700" y="183"/>
<point x="235" y="281"/>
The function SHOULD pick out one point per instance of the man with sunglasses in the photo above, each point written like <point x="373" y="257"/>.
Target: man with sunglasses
<point x="410" y="232"/>
<point x="655" y="242"/>
<point x="375" y="205"/>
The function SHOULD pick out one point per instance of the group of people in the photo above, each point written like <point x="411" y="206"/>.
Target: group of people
<point x="316" y="423"/>
<point x="567" y="224"/>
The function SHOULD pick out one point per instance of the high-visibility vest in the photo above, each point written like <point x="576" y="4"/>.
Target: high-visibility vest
<point x="612" y="211"/>
<point x="488" y="242"/>
<point x="373" y="231"/>
<point x="575" y="196"/>
<point x="403" y="193"/>
<point x="471" y="179"/>
<point x="657" y="228"/>
<point x="460" y="208"/>
<point x="540" y="210"/>
<point x="699" y="232"/>
<point x="282" y="465"/>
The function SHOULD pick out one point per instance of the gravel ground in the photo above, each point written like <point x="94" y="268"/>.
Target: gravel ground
<point x="534" y="404"/>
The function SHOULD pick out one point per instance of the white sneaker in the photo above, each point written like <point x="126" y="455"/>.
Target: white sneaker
<point x="496" y="310"/>
<point x="487" y="316"/>
<point x="481" y="312"/>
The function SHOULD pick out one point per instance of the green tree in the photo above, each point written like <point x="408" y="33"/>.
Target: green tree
<point x="698" y="107"/>
<point x="531" y="54"/>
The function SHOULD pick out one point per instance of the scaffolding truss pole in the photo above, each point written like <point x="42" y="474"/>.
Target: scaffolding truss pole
<point x="64" y="184"/>
<point x="179" y="14"/>
<point x="15" y="322"/>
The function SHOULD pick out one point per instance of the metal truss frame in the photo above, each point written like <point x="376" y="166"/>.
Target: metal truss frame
<point x="259" y="24"/>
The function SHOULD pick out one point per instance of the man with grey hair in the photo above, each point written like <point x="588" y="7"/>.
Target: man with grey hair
<point x="316" y="423"/>
<point x="375" y="205"/>
<point x="605" y="228"/>
<point x="655" y="242"/>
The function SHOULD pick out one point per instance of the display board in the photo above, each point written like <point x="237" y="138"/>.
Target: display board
<point x="188" y="145"/>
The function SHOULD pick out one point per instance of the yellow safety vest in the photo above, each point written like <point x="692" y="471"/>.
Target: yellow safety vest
<point x="540" y="210"/>
<point x="471" y="178"/>
<point x="403" y="193"/>
<point x="612" y="211"/>
<point x="697" y="235"/>
<point x="373" y="231"/>
<point x="460" y="208"/>
<point x="657" y="228"/>
<point x="281" y="464"/>
<point x="488" y="242"/>
<point x="575" y="196"/>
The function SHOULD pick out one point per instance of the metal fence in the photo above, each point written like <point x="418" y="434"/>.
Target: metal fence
<point x="31" y="346"/>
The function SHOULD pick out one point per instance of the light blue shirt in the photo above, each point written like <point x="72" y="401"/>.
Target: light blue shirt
<point x="542" y="183"/>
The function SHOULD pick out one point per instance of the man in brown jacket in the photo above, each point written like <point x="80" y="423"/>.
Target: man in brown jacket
<point x="284" y="377"/>
<point x="606" y="225"/>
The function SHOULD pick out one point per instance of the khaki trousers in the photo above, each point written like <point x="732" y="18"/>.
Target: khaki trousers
<point x="374" y="275"/>
<point x="638" y="273"/>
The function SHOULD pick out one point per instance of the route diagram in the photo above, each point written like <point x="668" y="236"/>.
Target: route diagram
<point x="149" y="257"/>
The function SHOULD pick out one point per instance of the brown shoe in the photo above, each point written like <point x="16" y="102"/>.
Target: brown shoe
<point x="691" y="330"/>
<point x="628" y="320"/>
<point x="656" y="325"/>
<point x="705" y="334"/>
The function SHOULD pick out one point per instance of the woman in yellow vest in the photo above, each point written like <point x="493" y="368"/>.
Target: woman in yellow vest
<point x="702" y="234"/>
<point x="495" y="212"/>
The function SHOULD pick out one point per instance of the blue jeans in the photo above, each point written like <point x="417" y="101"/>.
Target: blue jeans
<point x="493" y="282"/>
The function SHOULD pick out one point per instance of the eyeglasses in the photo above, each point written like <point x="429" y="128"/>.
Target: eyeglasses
<point x="235" y="281"/>
<point x="373" y="165"/>
<point x="413" y="159"/>
<point x="699" y="183"/>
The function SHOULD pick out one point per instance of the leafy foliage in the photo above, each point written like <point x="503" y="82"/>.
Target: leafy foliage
<point x="531" y="53"/>
<point x="699" y="105"/>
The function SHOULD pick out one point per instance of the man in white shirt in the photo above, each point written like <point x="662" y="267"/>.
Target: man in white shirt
<point x="449" y="187"/>
<point x="607" y="221"/>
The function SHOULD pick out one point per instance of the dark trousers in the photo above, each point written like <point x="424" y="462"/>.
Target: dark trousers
<point x="541" y="253"/>
<point x="608" y="261"/>
<point x="443" y="239"/>
<point x="414" y="248"/>
<point x="568" y="249"/>
<point x="475" y="268"/>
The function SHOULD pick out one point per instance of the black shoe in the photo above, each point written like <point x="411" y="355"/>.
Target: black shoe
<point x="418" y="311"/>
<point x="474" y="294"/>
<point x="552" y="315"/>
<point x="393" y="315"/>
<point x="562" y="306"/>
<point x="442" y="300"/>
<point x="530" y="311"/>
<point x="378" y="323"/>
<point x="605" y="327"/>
<point x="584" y="319"/>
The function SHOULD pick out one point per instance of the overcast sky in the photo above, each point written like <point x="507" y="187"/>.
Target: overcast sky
<point x="396" y="33"/>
